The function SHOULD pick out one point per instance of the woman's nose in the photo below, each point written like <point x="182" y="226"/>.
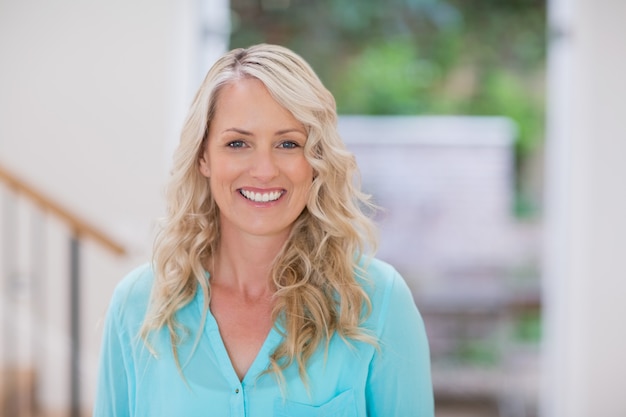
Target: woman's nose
<point x="264" y="165"/>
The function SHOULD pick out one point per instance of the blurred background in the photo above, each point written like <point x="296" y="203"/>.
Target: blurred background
<point x="490" y="131"/>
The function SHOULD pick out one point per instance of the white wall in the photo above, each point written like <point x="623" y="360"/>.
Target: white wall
<point x="85" y="104"/>
<point x="92" y="97"/>
<point x="585" y="283"/>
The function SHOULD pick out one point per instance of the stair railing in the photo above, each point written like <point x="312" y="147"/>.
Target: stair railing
<point x="79" y="229"/>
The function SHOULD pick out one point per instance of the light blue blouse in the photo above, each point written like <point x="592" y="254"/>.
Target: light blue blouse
<point x="352" y="380"/>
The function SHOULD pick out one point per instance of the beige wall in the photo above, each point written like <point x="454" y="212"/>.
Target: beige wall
<point x="85" y="103"/>
<point x="586" y="223"/>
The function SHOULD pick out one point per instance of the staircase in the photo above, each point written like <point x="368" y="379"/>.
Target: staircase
<point x="42" y="247"/>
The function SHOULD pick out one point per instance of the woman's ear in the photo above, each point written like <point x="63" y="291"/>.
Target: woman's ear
<point x="204" y="165"/>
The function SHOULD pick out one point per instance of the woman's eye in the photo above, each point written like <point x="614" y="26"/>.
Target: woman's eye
<point x="236" y="144"/>
<point x="289" y="144"/>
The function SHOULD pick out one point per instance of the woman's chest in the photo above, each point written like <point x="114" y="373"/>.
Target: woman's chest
<point x="208" y="386"/>
<point x="243" y="329"/>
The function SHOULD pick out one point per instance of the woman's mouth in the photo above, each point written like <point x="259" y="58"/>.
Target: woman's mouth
<point x="261" y="197"/>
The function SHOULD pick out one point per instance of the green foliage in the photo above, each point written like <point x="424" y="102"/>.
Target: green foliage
<point x="485" y="353"/>
<point x="528" y="328"/>
<point x="386" y="78"/>
<point x="506" y="94"/>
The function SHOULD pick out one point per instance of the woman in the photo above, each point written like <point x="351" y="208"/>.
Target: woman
<point x="261" y="299"/>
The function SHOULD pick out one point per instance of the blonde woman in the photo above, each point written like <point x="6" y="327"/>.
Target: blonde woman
<point x="263" y="298"/>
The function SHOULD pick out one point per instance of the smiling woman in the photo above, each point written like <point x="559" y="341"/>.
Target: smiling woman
<point x="263" y="297"/>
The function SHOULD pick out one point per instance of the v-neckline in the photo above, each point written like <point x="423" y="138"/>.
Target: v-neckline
<point x="259" y="364"/>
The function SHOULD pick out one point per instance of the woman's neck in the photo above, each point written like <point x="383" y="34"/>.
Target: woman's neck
<point x="243" y="263"/>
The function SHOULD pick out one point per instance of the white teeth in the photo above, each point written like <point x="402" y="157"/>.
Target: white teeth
<point x="261" y="197"/>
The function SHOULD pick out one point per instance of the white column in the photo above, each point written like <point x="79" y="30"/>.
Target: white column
<point x="215" y="24"/>
<point x="203" y="31"/>
<point x="585" y="269"/>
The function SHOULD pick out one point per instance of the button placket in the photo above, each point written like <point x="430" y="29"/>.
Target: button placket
<point x="237" y="401"/>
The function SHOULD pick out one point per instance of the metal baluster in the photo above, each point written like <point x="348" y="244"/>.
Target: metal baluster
<point x="9" y="245"/>
<point x="38" y="302"/>
<point x="75" y="325"/>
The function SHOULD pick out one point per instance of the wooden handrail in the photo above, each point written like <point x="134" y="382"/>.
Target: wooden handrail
<point x="78" y="226"/>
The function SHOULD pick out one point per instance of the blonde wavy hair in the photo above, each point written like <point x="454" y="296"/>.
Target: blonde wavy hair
<point x="317" y="293"/>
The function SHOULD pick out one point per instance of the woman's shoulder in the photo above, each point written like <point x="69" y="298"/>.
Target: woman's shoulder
<point x="387" y="290"/>
<point x="380" y="277"/>
<point x="378" y="269"/>
<point x="132" y="293"/>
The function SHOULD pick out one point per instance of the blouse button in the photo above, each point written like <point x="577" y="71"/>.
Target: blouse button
<point x="236" y="390"/>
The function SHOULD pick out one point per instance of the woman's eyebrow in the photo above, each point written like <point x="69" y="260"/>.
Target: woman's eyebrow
<point x="284" y="131"/>
<point x="279" y="132"/>
<point x="237" y="130"/>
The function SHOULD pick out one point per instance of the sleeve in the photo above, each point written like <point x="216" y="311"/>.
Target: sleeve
<point x="112" y="391"/>
<point x="399" y="382"/>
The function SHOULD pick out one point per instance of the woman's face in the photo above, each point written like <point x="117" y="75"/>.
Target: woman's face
<point x="254" y="159"/>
